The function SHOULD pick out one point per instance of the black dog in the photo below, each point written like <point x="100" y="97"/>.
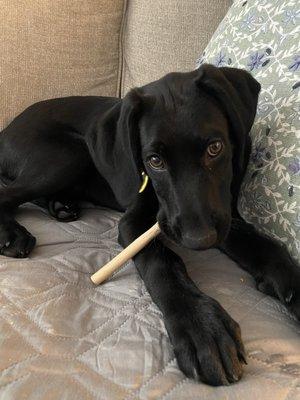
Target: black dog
<point x="189" y="133"/>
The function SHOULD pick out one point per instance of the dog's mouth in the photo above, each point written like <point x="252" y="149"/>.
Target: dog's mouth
<point x="172" y="234"/>
<point x="213" y="238"/>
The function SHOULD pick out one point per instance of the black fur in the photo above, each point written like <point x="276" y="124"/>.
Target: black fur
<point x="61" y="151"/>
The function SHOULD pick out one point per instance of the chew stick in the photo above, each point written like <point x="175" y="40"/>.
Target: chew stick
<point x="130" y="251"/>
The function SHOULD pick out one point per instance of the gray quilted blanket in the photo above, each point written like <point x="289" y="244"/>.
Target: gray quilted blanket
<point x="63" y="338"/>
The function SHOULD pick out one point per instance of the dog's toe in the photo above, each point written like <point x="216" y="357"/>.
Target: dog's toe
<point x="16" y="241"/>
<point x="284" y="286"/>
<point x="64" y="211"/>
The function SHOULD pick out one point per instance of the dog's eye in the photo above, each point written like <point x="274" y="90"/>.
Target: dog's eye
<point x="215" y="148"/>
<point x="156" y="162"/>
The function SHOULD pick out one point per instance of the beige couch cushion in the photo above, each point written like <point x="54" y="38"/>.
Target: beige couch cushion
<point x="166" y="35"/>
<point x="52" y="48"/>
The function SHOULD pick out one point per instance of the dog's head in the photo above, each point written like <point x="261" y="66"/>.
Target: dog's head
<point x="189" y="132"/>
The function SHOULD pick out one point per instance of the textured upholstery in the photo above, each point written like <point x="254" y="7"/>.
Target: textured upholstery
<point x="166" y="35"/>
<point x="61" y="337"/>
<point x="64" y="338"/>
<point x="262" y="38"/>
<point x="53" y="48"/>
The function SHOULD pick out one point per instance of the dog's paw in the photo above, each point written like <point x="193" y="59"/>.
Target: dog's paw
<point x="281" y="279"/>
<point x="64" y="210"/>
<point x="207" y="342"/>
<point x="15" y="240"/>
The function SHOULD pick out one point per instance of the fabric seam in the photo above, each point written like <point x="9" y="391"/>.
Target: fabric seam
<point x="121" y="48"/>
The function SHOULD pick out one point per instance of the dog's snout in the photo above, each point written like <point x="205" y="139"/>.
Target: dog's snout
<point x="202" y="241"/>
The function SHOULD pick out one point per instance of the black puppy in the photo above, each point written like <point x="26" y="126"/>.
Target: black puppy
<point x="189" y="133"/>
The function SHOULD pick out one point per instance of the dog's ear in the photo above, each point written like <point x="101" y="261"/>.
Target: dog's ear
<point x="115" y="147"/>
<point x="237" y="93"/>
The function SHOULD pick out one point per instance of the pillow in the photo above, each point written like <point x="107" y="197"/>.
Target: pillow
<point x="262" y="36"/>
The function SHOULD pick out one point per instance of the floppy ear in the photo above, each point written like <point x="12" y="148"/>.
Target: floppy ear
<point x="115" y="148"/>
<point x="237" y="93"/>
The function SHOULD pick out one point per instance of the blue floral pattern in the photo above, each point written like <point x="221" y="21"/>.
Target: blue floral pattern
<point x="262" y="36"/>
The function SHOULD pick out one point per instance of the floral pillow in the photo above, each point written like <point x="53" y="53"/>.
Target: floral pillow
<point x="262" y="36"/>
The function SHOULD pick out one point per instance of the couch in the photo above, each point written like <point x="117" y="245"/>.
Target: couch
<point x="60" y="336"/>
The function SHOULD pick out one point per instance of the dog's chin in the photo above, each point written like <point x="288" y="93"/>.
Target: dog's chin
<point x="198" y="247"/>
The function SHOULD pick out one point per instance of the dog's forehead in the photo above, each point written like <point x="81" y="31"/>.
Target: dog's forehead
<point x="196" y="118"/>
<point x="176" y="97"/>
<point x="180" y="113"/>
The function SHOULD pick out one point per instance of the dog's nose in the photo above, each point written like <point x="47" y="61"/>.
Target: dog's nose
<point x="201" y="242"/>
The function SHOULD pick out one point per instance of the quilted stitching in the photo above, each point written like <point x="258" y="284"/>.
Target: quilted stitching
<point x="109" y="342"/>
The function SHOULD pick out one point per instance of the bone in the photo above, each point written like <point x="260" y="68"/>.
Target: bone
<point x="129" y="252"/>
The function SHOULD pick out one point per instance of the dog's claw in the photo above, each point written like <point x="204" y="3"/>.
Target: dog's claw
<point x="225" y="382"/>
<point x="3" y="246"/>
<point x="289" y="296"/>
<point x="242" y="357"/>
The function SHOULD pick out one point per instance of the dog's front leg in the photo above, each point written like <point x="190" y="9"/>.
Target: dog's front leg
<point x="206" y="340"/>
<point x="275" y="273"/>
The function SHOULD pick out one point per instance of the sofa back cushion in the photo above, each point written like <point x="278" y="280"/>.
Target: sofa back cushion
<point x="53" y="48"/>
<point x="165" y="35"/>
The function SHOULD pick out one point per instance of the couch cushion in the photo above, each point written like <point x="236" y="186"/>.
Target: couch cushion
<point x="165" y="35"/>
<point x="64" y="338"/>
<point x="52" y="48"/>
<point x="263" y="38"/>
